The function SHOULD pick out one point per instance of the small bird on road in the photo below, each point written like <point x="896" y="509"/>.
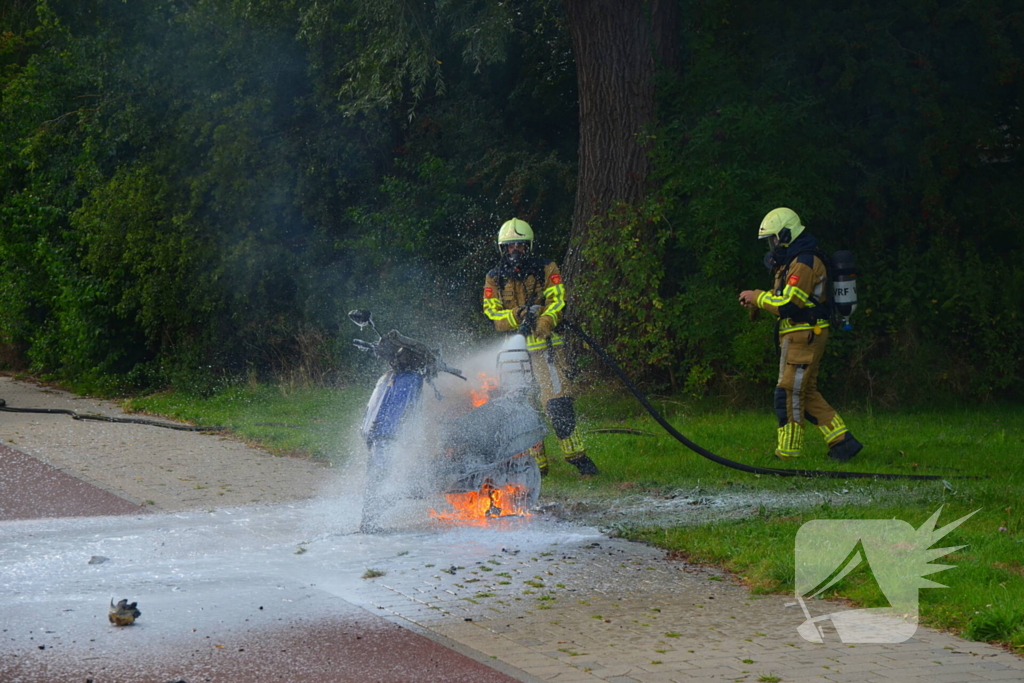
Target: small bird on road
<point x="124" y="613"/>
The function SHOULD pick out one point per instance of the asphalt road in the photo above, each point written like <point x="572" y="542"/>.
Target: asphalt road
<point x="332" y="640"/>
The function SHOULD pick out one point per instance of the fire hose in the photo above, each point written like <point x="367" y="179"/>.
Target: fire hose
<point x="700" y="450"/>
<point x="103" y="418"/>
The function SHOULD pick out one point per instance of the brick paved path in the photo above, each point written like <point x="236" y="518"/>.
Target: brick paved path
<point x="606" y="609"/>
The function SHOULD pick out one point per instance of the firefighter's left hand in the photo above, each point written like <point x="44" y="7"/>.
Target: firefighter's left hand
<point x="748" y="298"/>
<point x="544" y="327"/>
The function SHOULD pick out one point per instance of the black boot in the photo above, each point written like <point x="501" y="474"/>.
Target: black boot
<point x="845" y="449"/>
<point x="584" y="464"/>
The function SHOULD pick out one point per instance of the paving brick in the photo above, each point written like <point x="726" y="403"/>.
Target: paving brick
<point x="711" y="674"/>
<point x="839" y="677"/>
<point x="709" y="644"/>
<point x="910" y="662"/>
<point x="573" y="677"/>
<point x="854" y="660"/>
<point x="963" y="677"/>
<point x="866" y="668"/>
<point x="1005" y="675"/>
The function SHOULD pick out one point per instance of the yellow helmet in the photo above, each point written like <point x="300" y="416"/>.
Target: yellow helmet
<point x="781" y="223"/>
<point x="515" y="231"/>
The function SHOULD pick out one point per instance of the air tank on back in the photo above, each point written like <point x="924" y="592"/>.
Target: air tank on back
<point x="844" y="286"/>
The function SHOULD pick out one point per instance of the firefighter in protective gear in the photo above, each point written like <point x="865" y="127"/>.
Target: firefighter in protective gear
<point x="526" y="292"/>
<point x="800" y="300"/>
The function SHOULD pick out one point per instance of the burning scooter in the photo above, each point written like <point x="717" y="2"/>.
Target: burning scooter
<point x="480" y="461"/>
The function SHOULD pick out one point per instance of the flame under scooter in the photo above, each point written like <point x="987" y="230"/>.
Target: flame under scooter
<point x="481" y="460"/>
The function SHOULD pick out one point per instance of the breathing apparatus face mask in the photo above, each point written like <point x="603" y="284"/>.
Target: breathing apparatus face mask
<point x="515" y="252"/>
<point x="775" y="254"/>
<point x="778" y="245"/>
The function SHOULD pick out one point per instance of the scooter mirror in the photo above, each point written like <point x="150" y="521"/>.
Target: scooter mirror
<point x="360" y="317"/>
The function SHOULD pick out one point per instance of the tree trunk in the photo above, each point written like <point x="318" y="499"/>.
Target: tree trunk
<point x="614" y="46"/>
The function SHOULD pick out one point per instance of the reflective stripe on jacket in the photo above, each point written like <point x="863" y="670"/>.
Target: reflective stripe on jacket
<point x="535" y="282"/>
<point x="795" y="285"/>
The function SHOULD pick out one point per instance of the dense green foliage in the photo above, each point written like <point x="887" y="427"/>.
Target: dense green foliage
<point x="197" y="190"/>
<point x="894" y="129"/>
<point x="189" y="193"/>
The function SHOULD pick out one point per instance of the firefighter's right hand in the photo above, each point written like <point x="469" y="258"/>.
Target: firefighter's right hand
<point x="545" y="325"/>
<point x="520" y="314"/>
<point x="748" y="298"/>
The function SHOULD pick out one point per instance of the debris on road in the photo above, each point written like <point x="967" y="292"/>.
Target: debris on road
<point x="124" y="613"/>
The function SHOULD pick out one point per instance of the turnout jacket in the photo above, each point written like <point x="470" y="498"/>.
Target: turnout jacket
<point x="801" y="285"/>
<point x="534" y="282"/>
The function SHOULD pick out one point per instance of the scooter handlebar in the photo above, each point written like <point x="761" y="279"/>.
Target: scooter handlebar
<point x="399" y="350"/>
<point x="450" y="370"/>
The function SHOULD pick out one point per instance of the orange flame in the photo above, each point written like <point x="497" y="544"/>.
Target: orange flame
<point x="483" y="394"/>
<point x="487" y="503"/>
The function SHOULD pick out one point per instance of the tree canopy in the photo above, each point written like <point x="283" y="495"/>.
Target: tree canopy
<point x="196" y="189"/>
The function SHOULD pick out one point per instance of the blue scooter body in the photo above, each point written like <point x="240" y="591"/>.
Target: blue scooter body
<point x="395" y="394"/>
<point x="488" y="449"/>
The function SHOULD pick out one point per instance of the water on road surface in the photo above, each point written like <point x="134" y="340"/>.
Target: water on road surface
<point x="207" y="581"/>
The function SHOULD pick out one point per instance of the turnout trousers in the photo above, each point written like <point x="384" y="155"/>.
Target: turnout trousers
<point x="550" y="369"/>
<point x="797" y="398"/>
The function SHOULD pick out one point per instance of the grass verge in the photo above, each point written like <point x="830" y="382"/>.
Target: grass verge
<point x="304" y="421"/>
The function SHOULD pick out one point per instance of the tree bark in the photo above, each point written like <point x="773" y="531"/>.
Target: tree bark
<point x="615" y="48"/>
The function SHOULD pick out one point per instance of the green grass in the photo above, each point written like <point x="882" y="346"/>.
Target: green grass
<point x="287" y="421"/>
<point x="985" y="598"/>
<point x="985" y="595"/>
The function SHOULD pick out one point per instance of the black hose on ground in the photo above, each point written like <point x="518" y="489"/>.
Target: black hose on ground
<point x="699" y="450"/>
<point x="103" y="418"/>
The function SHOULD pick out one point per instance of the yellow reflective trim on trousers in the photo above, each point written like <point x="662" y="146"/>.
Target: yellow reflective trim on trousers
<point x="833" y="435"/>
<point x="540" y="455"/>
<point x="833" y="429"/>
<point x="791" y="440"/>
<point x="571" y="445"/>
